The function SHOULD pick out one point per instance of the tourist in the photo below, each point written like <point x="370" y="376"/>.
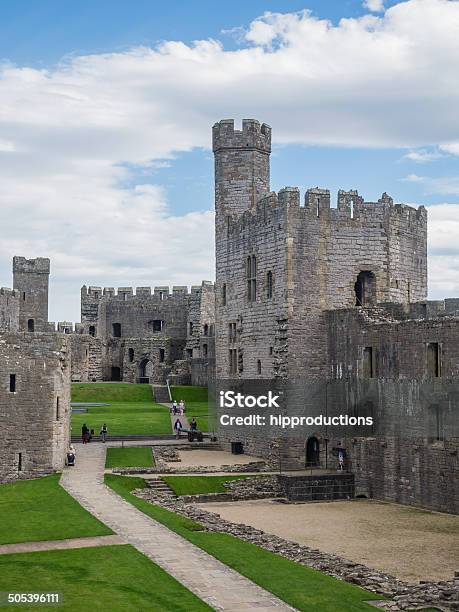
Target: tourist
<point x="104" y="432"/>
<point x="182" y="407"/>
<point x="174" y="407"/>
<point x="90" y="435"/>
<point x="71" y="456"/>
<point x="177" y="427"/>
<point x="193" y="424"/>
<point x="84" y="433"/>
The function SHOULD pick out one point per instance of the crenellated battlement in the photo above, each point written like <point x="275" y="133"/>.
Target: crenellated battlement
<point x="252" y="136"/>
<point x="161" y="293"/>
<point x="316" y="208"/>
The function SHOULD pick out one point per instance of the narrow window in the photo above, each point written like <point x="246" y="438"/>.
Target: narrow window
<point x="368" y="362"/>
<point x="251" y="275"/>
<point x="30" y="325"/>
<point x="204" y="350"/>
<point x="116" y="330"/>
<point x="23" y="296"/>
<point x="240" y="361"/>
<point x="206" y="330"/>
<point x="189" y="353"/>
<point x="409" y="291"/>
<point x="224" y="294"/>
<point x="269" y="285"/>
<point x="436" y="424"/>
<point x="259" y="366"/>
<point x="232" y="361"/>
<point x="351" y="205"/>
<point x="92" y="330"/>
<point x="20" y="462"/>
<point x="12" y="383"/>
<point x="232" y="332"/>
<point x="191" y="328"/>
<point x="131" y="355"/>
<point x="161" y="296"/>
<point x="433" y="360"/>
<point x="317" y="207"/>
<point x="270" y="350"/>
<point x="161" y="355"/>
<point x="57" y="409"/>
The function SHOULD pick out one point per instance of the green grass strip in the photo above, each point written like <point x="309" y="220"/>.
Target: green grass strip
<point x="107" y="578"/>
<point x="198" y="485"/>
<point x="301" y="587"/>
<point x="34" y="510"/>
<point x="130" y="456"/>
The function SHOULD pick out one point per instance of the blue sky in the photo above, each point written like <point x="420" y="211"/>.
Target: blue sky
<point x="105" y="131"/>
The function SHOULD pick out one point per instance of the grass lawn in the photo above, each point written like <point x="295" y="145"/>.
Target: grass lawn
<point x="131" y="411"/>
<point x="196" y="485"/>
<point x="196" y="402"/>
<point x="33" y="510"/>
<point x="301" y="587"/>
<point x="111" y="578"/>
<point x="131" y="456"/>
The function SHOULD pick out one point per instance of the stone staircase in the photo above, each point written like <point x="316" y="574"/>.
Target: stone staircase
<point x="161" y="394"/>
<point x="160" y="488"/>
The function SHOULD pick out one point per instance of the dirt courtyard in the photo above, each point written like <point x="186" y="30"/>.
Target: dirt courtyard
<point x="408" y="543"/>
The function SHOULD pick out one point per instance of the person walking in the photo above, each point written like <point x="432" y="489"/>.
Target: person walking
<point x="174" y="407"/>
<point x="182" y="407"/>
<point x="104" y="432"/>
<point x="84" y="433"/>
<point x="193" y="424"/>
<point x="177" y="428"/>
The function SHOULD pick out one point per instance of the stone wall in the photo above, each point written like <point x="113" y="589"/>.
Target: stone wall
<point x="34" y="404"/>
<point x="9" y="310"/>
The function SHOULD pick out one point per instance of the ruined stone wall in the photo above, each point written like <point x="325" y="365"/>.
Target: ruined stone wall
<point x="87" y="358"/>
<point x="9" y="310"/>
<point x="159" y="351"/>
<point x="399" y="348"/>
<point x="414" y="455"/>
<point x="35" y="416"/>
<point x="31" y="280"/>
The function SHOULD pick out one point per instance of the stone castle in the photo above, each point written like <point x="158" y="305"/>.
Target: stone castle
<point x="303" y="292"/>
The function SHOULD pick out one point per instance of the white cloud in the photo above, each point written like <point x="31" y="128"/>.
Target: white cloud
<point x="422" y="156"/>
<point x="451" y="147"/>
<point x="71" y="134"/>
<point x="376" y="6"/>
<point x="446" y="185"/>
<point x="443" y="250"/>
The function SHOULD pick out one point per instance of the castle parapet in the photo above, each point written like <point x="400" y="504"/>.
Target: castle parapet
<point x="39" y="265"/>
<point x="253" y="135"/>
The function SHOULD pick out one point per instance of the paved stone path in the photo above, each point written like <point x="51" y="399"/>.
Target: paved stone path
<point x="218" y="585"/>
<point x="25" y="547"/>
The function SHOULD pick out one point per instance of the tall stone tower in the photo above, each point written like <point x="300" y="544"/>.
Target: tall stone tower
<point x="241" y="165"/>
<point x="31" y="280"/>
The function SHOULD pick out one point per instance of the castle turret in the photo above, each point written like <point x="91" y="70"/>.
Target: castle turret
<point x="31" y="280"/>
<point x="241" y="165"/>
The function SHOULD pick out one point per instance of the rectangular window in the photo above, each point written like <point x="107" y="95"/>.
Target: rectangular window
<point x="269" y="285"/>
<point x="189" y="353"/>
<point x="433" y="360"/>
<point x="224" y="294"/>
<point x="20" y="462"/>
<point x="12" y="383"/>
<point x="232" y="361"/>
<point x="240" y="361"/>
<point x="57" y="409"/>
<point x="232" y="332"/>
<point x="251" y="275"/>
<point x="161" y="355"/>
<point x="368" y="365"/>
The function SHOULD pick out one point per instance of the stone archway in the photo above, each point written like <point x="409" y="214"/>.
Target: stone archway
<point x="145" y="370"/>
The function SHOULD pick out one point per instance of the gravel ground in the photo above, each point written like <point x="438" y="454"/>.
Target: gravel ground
<point x="212" y="458"/>
<point x="408" y="543"/>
